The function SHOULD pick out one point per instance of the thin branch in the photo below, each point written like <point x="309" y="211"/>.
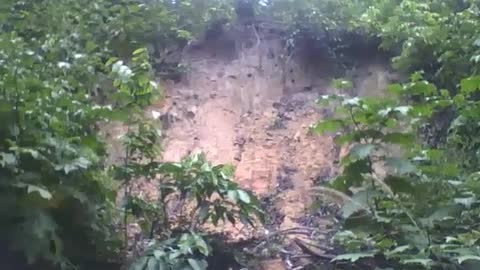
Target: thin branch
<point x="258" y="47"/>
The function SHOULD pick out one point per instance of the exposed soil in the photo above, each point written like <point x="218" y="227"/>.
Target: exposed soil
<point x="246" y="106"/>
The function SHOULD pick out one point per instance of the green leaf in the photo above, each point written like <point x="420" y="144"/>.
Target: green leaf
<point x="441" y="213"/>
<point x="171" y="168"/>
<point x="477" y="42"/>
<point x="233" y="195"/>
<point x="353" y="257"/>
<point x="398" y="250"/>
<point x="243" y="196"/>
<point x="44" y="193"/>
<point x="352" y="102"/>
<point x="158" y="254"/>
<point x="342" y="84"/>
<point x="139" y="51"/>
<point x="194" y="264"/>
<point x="353" y="172"/>
<point x="467" y="202"/>
<point x="7" y="159"/>
<point x="175" y="254"/>
<point x="139" y="264"/>
<point x="328" y="126"/>
<point x="395" y="88"/>
<point x="111" y="61"/>
<point x="202" y="246"/>
<point x="424" y="262"/>
<point x="462" y="259"/>
<point x="399" y="138"/>
<point x="359" y="202"/>
<point x="152" y="264"/>
<point x="361" y="151"/>
<point x="399" y="184"/>
<point x="162" y="265"/>
<point x="400" y="166"/>
<point x="470" y="85"/>
<point x="203" y="214"/>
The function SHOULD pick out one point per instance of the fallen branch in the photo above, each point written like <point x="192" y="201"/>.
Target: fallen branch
<point x="305" y="248"/>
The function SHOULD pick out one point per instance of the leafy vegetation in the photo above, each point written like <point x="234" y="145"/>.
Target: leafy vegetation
<point x="207" y="194"/>
<point x="68" y="67"/>
<point x="415" y="202"/>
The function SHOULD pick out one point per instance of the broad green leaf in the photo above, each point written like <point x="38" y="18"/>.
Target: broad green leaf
<point x="171" y="168"/>
<point x="355" y="101"/>
<point x="353" y="257"/>
<point x="395" y="88"/>
<point x="403" y="110"/>
<point x="462" y="259"/>
<point x="467" y="202"/>
<point x="139" y="264"/>
<point x="399" y="138"/>
<point x="361" y="151"/>
<point x="328" y="126"/>
<point x="400" y="166"/>
<point x="342" y="84"/>
<point x="441" y="213"/>
<point x="152" y="264"/>
<point x="175" y="254"/>
<point x="470" y="85"/>
<point x="399" y="184"/>
<point x="139" y="51"/>
<point x="162" y="265"/>
<point x="424" y="262"/>
<point x="444" y="170"/>
<point x="7" y="159"/>
<point x="111" y="61"/>
<point x="243" y="196"/>
<point x="44" y="193"/>
<point x="203" y="214"/>
<point x="194" y="264"/>
<point x="360" y="201"/>
<point x="398" y="250"/>
<point x="233" y="195"/>
<point x="477" y="42"/>
<point x="158" y="254"/>
<point x="354" y="171"/>
<point x="202" y="246"/>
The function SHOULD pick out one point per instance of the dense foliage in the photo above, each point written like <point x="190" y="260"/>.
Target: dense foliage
<point x="415" y="204"/>
<point x="67" y="67"/>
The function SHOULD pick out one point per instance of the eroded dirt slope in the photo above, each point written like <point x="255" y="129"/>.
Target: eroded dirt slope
<point x="242" y="110"/>
<point x="240" y="115"/>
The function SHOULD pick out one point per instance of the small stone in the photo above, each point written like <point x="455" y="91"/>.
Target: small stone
<point x="297" y="136"/>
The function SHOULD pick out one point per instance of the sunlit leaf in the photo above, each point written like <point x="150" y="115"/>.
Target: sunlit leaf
<point x="462" y="259"/>
<point x="44" y="193"/>
<point x="195" y="265"/>
<point x="400" y="166"/>
<point x="399" y="138"/>
<point x="328" y="126"/>
<point x="243" y="196"/>
<point x="353" y="257"/>
<point x="424" y="262"/>
<point x="361" y="151"/>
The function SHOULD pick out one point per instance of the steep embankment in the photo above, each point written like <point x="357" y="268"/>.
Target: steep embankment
<point x="239" y="112"/>
<point x="246" y="105"/>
